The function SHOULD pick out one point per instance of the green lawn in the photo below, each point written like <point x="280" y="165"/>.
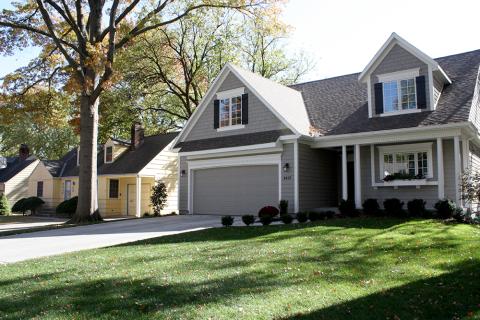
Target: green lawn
<point x="337" y="269"/>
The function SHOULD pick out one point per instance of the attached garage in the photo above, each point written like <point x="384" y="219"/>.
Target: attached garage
<point x="235" y="190"/>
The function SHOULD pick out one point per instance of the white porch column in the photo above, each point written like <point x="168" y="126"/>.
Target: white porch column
<point x="358" y="182"/>
<point x="344" y="173"/>
<point x="440" y="171"/>
<point x="458" y="169"/>
<point x="296" y="187"/>
<point x="138" y="197"/>
<point x="466" y="163"/>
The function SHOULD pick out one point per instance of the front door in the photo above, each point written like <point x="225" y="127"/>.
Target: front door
<point x="67" y="194"/>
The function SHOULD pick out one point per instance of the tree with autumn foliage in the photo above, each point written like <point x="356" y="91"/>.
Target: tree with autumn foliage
<point x="80" y="40"/>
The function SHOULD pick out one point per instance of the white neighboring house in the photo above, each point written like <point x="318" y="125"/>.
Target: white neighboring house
<point x="15" y="173"/>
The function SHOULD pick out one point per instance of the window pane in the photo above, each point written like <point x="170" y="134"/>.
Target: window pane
<point x="224" y="113"/>
<point x="422" y="163"/>
<point x="390" y="96"/>
<point x="40" y="189"/>
<point x="113" y="190"/>
<point x="407" y="90"/>
<point x="401" y="163"/>
<point x="388" y="167"/>
<point x="236" y="110"/>
<point x="109" y="154"/>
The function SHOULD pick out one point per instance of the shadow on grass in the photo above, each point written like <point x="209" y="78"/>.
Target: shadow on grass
<point x="453" y="295"/>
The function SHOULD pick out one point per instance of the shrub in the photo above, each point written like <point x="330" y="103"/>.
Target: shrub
<point x="314" y="216"/>
<point x="283" y="207"/>
<point x="329" y="214"/>
<point x="460" y="215"/>
<point x="286" y="218"/>
<point x="266" y="220"/>
<point x="227" y="221"/>
<point x="158" y="197"/>
<point x="371" y="207"/>
<point x="445" y="208"/>
<point x="416" y="207"/>
<point x="4" y="206"/>
<point x="33" y="203"/>
<point x="393" y="207"/>
<point x="248" y="219"/>
<point x="19" y="206"/>
<point x="302" y="217"/>
<point x="347" y="208"/>
<point x="428" y="214"/>
<point x="68" y="206"/>
<point x="268" y="211"/>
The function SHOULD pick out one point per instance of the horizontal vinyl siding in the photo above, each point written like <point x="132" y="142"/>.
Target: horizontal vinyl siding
<point x="317" y="178"/>
<point x="17" y="187"/>
<point x="165" y="169"/>
<point x="475" y="169"/>
<point x="260" y="118"/>
<point x="183" y="187"/>
<point x="42" y="174"/>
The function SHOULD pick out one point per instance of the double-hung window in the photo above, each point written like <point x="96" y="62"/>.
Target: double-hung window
<point x="109" y="154"/>
<point x="39" y="189"/>
<point x="230" y="111"/>
<point x="413" y="160"/>
<point x="399" y="90"/>
<point x="113" y="189"/>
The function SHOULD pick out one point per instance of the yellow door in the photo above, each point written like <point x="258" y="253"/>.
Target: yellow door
<point x="132" y="195"/>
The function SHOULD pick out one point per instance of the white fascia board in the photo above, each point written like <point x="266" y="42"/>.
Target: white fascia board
<point x="231" y="149"/>
<point x="387" y="46"/>
<point x="395" y="135"/>
<point x="230" y="93"/>
<point x="262" y="99"/>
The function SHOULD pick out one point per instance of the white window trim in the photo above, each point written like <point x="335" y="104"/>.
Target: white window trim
<point x="229" y="94"/>
<point x="414" y="148"/>
<point x="105" y="154"/>
<point x="399" y="75"/>
<point x="230" y="127"/>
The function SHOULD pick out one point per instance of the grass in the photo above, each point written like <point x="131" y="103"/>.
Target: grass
<point x="336" y="269"/>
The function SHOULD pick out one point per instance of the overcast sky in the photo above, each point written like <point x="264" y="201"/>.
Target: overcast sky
<point x="343" y="35"/>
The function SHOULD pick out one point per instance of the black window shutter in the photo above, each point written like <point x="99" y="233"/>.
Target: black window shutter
<point x="216" y="113"/>
<point x="378" y="87"/>
<point x="244" y="108"/>
<point x="421" y="93"/>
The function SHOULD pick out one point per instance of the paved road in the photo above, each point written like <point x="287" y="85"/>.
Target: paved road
<point x="47" y="243"/>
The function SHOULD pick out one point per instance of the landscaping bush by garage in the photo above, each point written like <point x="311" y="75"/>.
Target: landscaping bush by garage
<point x="227" y="221"/>
<point x="286" y="218"/>
<point x="268" y="211"/>
<point x="302" y="217"/>
<point x="67" y="207"/>
<point x="248" y="219"/>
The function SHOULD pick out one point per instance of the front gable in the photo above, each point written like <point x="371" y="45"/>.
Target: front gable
<point x="402" y="79"/>
<point x="260" y="118"/>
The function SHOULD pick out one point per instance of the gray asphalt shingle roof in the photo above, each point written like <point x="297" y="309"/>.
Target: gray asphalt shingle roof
<point x="339" y="105"/>
<point x="231" y="141"/>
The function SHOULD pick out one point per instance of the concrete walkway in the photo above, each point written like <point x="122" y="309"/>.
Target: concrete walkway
<point x="52" y="242"/>
<point x="17" y="222"/>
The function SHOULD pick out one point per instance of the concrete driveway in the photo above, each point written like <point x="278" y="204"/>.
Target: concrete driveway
<point x="47" y="243"/>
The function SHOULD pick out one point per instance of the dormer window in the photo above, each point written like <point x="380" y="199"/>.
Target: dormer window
<point x="109" y="154"/>
<point x="230" y="110"/>
<point x="400" y="92"/>
<point x="399" y="95"/>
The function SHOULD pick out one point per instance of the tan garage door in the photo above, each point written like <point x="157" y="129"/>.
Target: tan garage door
<point x="235" y="190"/>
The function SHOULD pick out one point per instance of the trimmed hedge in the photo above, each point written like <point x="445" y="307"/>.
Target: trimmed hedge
<point x="68" y="206"/>
<point x="248" y="219"/>
<point x="25" y="204"/>
<point x="393" y="207"/>
<point x="371" y="207"/>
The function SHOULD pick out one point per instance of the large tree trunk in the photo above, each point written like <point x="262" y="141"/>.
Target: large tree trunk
<point x="87" y="208"/>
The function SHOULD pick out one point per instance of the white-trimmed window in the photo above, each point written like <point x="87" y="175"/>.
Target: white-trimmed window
<point x="414" y="160"/>
<point x="230" y="109"/>
<point x="399" y="90"/>
<point x="108" y="154"/>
